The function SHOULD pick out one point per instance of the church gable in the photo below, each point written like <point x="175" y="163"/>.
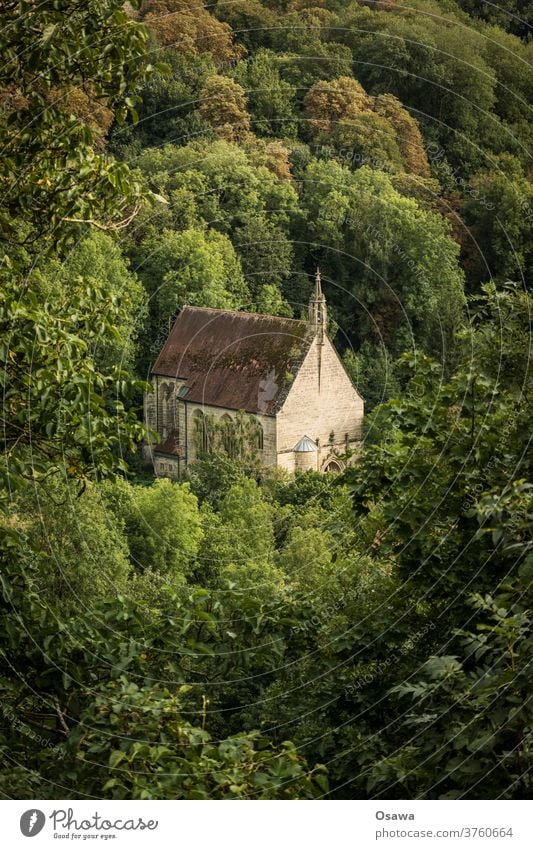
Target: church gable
<point x="321" y="401"/>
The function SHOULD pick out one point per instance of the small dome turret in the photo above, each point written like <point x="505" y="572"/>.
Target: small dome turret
<point x="305" y="454"/>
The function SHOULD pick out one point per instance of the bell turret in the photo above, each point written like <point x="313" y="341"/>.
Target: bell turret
<point x="318" y="313"/>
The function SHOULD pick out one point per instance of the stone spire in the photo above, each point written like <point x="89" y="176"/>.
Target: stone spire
<point x="317" y="307"/>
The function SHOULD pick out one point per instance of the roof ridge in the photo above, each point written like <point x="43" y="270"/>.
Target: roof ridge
<point x="234" y="359"/>
<point x="243" y="313"/>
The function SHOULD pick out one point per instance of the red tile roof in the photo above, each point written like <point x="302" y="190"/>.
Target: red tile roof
<point x="236" y="360"/>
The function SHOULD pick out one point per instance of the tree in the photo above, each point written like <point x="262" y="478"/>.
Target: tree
<point x="510" y="60"/>
<point x="50" y="177"/>
<point x="340" y="659"/>
<point x="372" y="371"/>
<point x="435" y="66"/>
<point x="249" y="522"/>
<point x="238" y="548"/>
<point x="450" y="513"/>
<point x="516" y="16"/>
<point x="265" y="252"/>
<point x="397" y="261"/>
<point x="188" y="27"/>
<point x="98" y="262"/>
<point x="271" y="100"/>
<point x="467" y="438"/>
<point x="223" y="106"/>
<point x="168" y="103"/>
<point x="221" y="183"/>
<point x="164" y="529"/>
<point x="326" y="103"/>
<point x="474" y="704"/>
<point x="195" y="267"/>
<point x="408" y="135"/>
<point x="81" y="712"/>
<point x="251" y="22"/>
<point x="497" y="208"/>
<point x="305" y="55"/>
<point x="84" y="546"/>
<point x="270" y="301"/>
<point x="166" y="757"/>
<point x="212" y="475"/>
<point x="58" y="405"/>
<point x="473" y="700"/>
<point x="59" y="409"/>
<point x="368" y="139"/>
<point x="273" y="155"/>
<point x="87" y="108"/>
<point x="365" y="129"/>
<point x="306" y="556"/>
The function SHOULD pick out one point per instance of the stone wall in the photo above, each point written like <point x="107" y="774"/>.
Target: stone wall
<point x="322" y="404"/>
<point x="166" y="467"/>
<point x="268" y="423"/>
<point x="164" y="411"/>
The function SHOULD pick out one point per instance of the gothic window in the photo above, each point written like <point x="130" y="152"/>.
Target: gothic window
<point x="201" y="437"/>
<point x="166" y="418"/>
<point x="228" y="435"/>
<point x="161" y="410"/>
<point x="257" y="434"/>
<point x="333" y="466"/>
<point x="170" y="402"/>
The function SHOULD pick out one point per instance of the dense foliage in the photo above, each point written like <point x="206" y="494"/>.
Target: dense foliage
<point x="244" y="633"/>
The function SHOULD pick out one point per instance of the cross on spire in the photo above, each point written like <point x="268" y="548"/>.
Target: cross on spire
<point x="317" y="306"/>
<point x="318" y="285"/>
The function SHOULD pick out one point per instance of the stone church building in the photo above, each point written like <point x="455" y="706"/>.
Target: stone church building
<point x="226" y="378"/>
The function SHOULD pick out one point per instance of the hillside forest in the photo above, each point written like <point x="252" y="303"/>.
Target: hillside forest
<point x="243" y="633"/>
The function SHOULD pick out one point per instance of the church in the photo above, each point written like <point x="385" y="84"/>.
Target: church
<point x="241" y="382"/>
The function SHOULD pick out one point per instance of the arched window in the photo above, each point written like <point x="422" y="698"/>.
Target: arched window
<point x="228" y="434"/>
<point x="164" y="409"/>
<point x="333" y="466"/>
<point x="201" y="438"/>
<point x="257" y="434"/>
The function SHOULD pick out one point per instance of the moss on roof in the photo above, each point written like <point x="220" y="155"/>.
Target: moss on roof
<point x="236" y="360"/>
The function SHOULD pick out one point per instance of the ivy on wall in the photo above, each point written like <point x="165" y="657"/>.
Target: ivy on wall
<point x="240" y="438"/>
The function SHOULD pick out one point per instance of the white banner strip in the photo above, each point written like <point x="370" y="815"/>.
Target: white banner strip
<point x="268" y="824"/>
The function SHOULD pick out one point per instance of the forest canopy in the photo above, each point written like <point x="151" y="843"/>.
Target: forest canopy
<point x="244" y="633"/>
